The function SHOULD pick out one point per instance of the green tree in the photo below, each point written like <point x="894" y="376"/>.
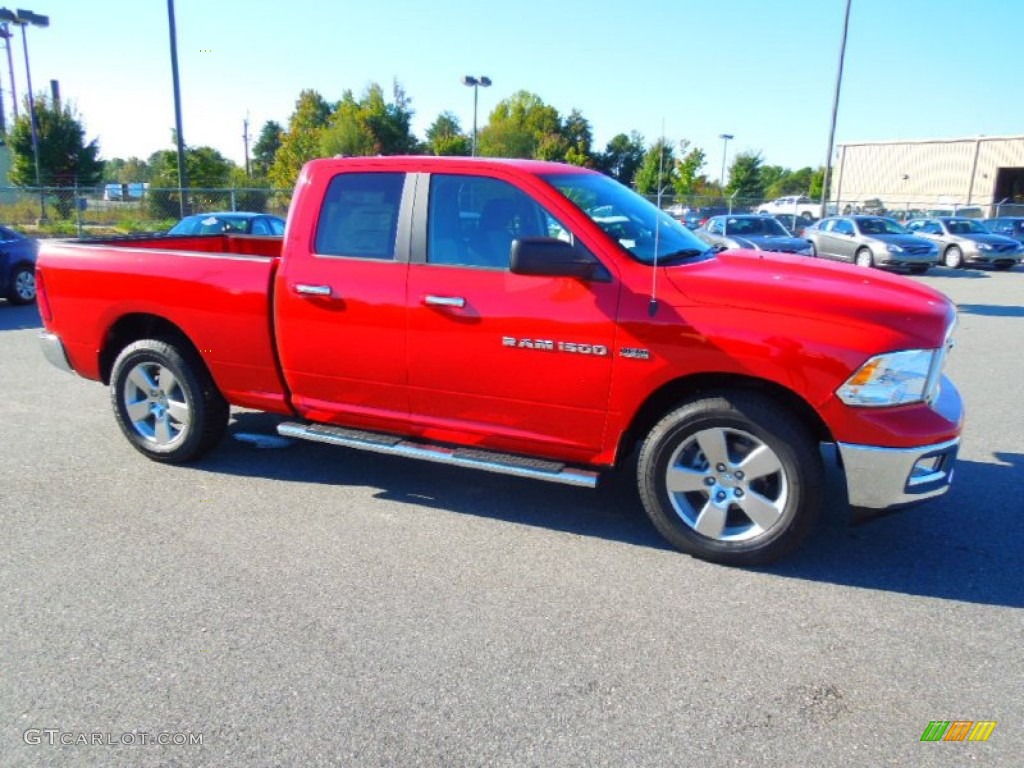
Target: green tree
<point x="657" y="174"/>
<point x="817" y="179"/>
<point x="301" y="142"/>
<point x="370" y="125"/>
<point x="65" y="159"/>
<point x="745" y="177"/>
<point x="265" y="149"/>
<point x="209" y="173"/>
<point x="580" y="139"/>
<point x="688" y="176"/>
<point x="445" y="136"/>
<point x="523" y="126"/>
<point x="622" y="157"/>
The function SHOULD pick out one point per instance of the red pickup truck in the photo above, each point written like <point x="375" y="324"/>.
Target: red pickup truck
<point x="529" y="318"/>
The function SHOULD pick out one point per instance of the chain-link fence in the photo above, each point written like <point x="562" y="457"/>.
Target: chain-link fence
<point x="128" y="208"/>
<point x="124" y="208"/>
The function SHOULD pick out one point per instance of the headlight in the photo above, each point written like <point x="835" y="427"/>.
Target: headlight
<point x="894" y="249"/>
<point x="895" y="378"/>
<point x="984" y="247"/>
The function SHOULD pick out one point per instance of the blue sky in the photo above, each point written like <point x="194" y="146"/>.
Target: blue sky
<point x="762" y="70"/>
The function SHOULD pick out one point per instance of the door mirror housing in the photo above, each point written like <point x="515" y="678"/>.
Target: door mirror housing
<point x="551" y="257"/>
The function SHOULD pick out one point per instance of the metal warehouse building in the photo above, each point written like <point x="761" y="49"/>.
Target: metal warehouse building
<point x="981" y="172"/>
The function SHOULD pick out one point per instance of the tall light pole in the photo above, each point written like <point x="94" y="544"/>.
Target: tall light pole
<point x="475" y="83"/>
<point x="23" y="18"/>
<point x="835" y="109"/>
<point x="725" y="147"/>
<point x="182" y="173"/>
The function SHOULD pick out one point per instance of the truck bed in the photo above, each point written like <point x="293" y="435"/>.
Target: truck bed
<point x="215" y="289"/>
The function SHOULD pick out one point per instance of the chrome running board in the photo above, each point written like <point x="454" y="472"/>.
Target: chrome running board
<point x="488" y="461"/>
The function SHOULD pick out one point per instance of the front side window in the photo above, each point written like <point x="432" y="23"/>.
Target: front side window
<point x="472" y="221"/>
<point x="359" y="216"/>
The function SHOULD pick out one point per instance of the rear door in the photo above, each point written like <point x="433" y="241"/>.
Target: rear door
<point x="505" y="361"/>
<point x="340" y="303"/>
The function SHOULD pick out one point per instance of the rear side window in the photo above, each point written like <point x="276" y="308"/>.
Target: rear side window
<point x="359" y="216"/>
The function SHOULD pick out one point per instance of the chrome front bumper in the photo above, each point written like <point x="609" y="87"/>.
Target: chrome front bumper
<point x="879" y="478"/>
<point x="53" y="350"/>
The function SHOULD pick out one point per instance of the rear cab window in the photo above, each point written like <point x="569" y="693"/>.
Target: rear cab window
<point x="359" y="216"/>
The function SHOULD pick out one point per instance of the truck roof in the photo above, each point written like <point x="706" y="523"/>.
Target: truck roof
<point x="427" y="163"/>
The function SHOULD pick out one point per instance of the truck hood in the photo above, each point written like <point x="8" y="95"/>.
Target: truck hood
<point x="816" y="290"/>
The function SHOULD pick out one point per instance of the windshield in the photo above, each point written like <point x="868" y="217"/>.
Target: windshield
<point x="880" y="227"/>
<point x="633" y="222"/>
<point x="965" y="227"/>
<point x="754" y="225"/>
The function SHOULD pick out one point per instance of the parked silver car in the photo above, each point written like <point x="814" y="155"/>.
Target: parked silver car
<point x="871" y="241"/>
<point x="967" y="240"/>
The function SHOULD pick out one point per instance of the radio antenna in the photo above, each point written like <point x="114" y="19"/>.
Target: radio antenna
<point x="652" y="306"/>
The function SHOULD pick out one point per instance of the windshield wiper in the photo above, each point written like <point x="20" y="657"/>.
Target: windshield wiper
<point x="682" y="255"/>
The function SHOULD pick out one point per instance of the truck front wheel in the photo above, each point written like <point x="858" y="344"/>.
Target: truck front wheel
<point x="731" y="478"/>
<point x="166" y="402"/>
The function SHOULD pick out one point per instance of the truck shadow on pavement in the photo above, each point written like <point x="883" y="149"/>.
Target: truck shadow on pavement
<point x="14" y="317"/>
<point x="990" y="310"/>
<point x="964" y="546"/>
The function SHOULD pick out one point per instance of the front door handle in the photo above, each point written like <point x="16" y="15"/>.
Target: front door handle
<point x="444" y="301"/>
<point x="313" y="290"/>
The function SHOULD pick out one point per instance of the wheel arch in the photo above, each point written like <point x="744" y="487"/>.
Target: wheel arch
<point x="667" y="397"/>
<point x="134" y="327"/>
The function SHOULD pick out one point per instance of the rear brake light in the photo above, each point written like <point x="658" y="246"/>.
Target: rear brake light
<point x="42" y="302"/>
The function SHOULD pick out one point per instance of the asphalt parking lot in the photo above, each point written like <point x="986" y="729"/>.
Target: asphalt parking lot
<point x="310" y="605"/>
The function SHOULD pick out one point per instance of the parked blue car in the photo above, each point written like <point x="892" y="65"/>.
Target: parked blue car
<point x="17" y="266"/>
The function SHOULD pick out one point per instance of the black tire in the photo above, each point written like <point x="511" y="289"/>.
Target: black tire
<point x="716" y="495"/>
<point x="864" y="258"/>
<point x="814" y="249"/>
<point x="165" y="401"/>
<point x="22" y="287"/>
<point x="953" y="257"/>
<point x="918" y="269"/>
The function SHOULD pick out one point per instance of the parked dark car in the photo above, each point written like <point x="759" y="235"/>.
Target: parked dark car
<point x="871" y="241"/>
<point x="229" y="223"/>
<point x="966" y="240"/>
<point x="1010" y="226"/>
<point x="17" y="266"/>
<point x="753" y="231"/>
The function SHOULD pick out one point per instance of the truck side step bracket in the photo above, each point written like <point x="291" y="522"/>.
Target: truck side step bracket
<point x="489" y="461"/>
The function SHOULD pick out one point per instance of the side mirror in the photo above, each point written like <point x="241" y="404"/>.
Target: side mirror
<point x="550" y="257"/>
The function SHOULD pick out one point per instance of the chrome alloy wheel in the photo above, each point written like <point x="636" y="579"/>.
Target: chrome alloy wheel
<point x="727" y="485"/>
<point x="156" y="404"/>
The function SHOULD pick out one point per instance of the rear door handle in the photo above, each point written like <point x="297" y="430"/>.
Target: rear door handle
<point x="444" y="301"/>
<point x="313" y="290"/>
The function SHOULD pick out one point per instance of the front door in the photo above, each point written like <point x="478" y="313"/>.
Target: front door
<point x="505" y="361"/>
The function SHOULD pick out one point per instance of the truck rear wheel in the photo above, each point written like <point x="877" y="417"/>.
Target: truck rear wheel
<point x="166" y="402"/>
<point x="731" y="478"/>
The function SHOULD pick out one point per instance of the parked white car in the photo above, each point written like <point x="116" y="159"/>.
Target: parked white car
<point x="797" y="205"/>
